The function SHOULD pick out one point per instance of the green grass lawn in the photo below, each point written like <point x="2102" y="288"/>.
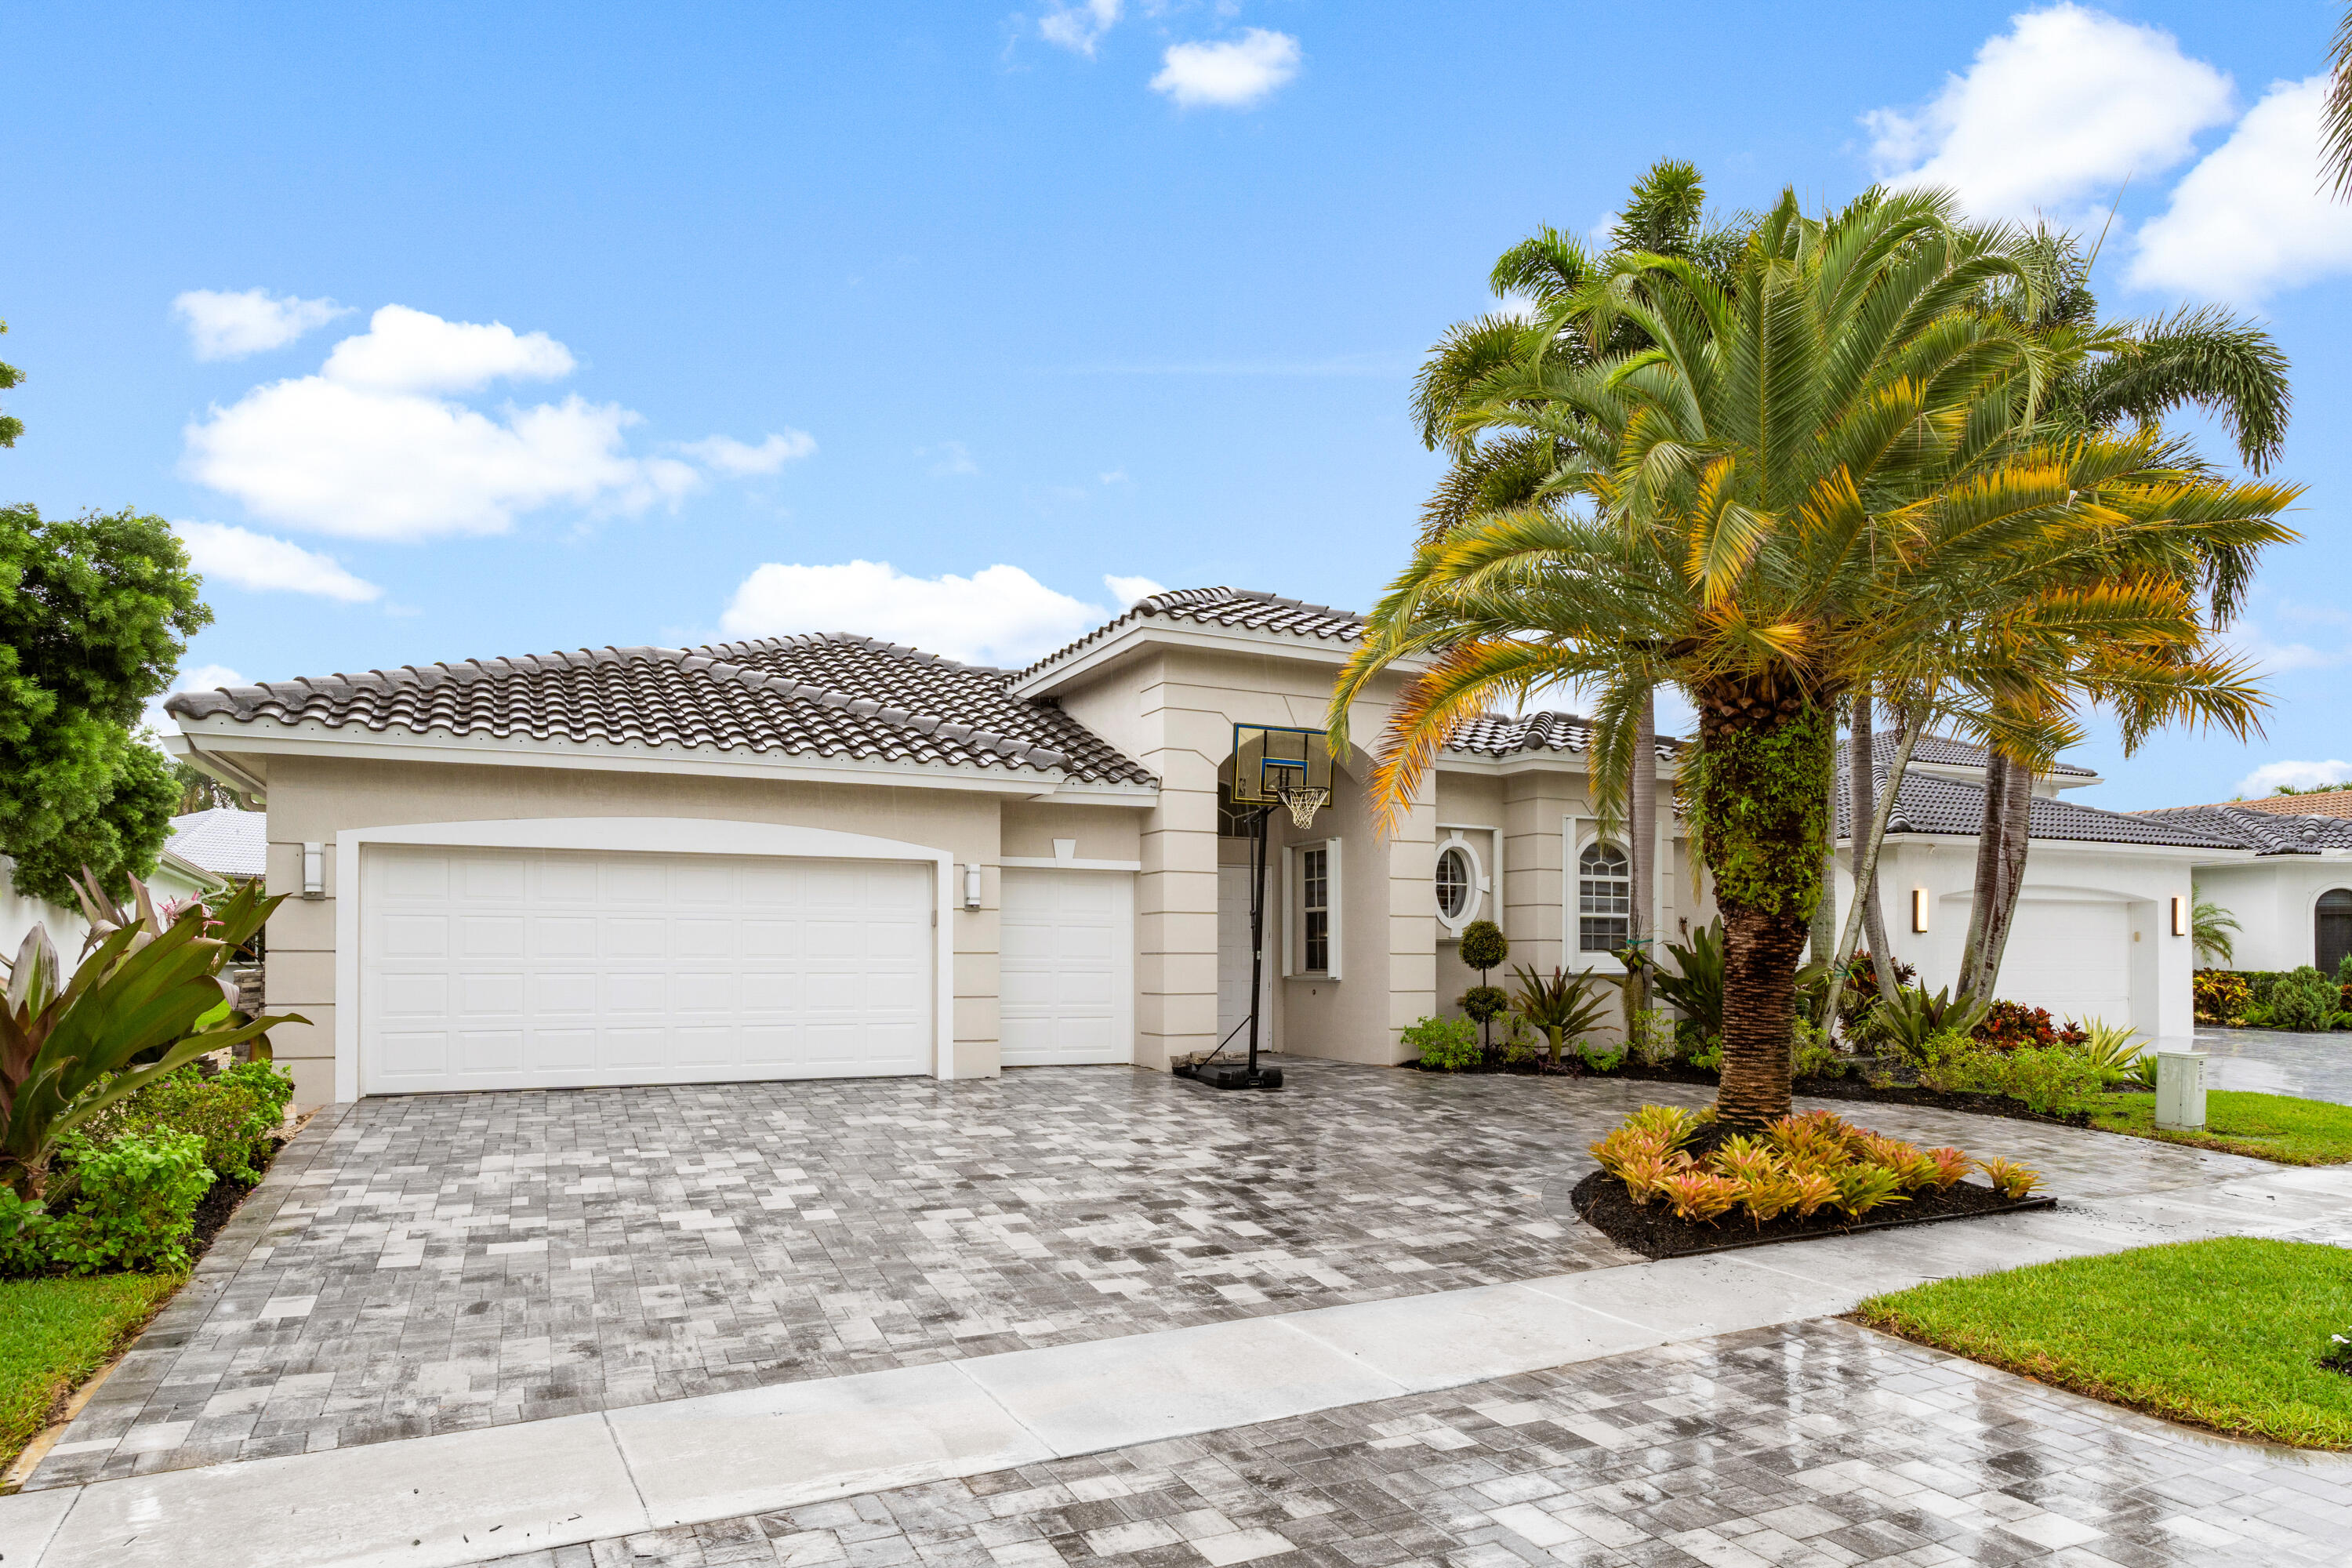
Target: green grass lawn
<point x="2268" y="1126"/>
<point x="55" y="1332"/>
<point x="2225" y="1334"/>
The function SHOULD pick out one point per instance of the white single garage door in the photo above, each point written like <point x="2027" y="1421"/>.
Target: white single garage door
<point x="2074" y="957"/>
<point x="531" y="968"/>
<point x="1066" y="967"/>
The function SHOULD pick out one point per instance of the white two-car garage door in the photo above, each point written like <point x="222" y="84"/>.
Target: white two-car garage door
<point x="528" y="969"/>
<point x="1067" y="967"/>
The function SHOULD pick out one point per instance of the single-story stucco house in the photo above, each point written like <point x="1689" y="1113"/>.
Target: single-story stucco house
<point x="2291" y="889"/>
<point x="826" y="856"/>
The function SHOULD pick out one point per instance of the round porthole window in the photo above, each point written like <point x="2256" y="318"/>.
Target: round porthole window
<point x="1457" y="885"/>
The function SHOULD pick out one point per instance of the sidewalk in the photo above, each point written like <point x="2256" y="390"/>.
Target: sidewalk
<point x="468" y="1497"/>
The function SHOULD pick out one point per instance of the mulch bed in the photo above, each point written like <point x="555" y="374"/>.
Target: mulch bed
<point x="1817" y="1088"/>
<point x="1652" y="1229"/>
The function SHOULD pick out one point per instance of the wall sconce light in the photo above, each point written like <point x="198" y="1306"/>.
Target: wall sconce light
<point x="2179" y="915"/>
<point x="314" y="869"/>
<point x="971" y="887"/>
<point x="1918" y="908"/>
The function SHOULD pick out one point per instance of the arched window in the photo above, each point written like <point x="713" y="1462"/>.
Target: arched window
<point x="2331" y="933"/>
<point x="1455" y="884"/>
<point x="1605" y="899"/>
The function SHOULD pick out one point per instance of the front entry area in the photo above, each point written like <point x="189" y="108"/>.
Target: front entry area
<point x="488" y="969"/>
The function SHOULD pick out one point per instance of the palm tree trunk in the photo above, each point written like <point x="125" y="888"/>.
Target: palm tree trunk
<point x="1760" y="1006"/>
<point x="1756" y="800"/>
<point x="1872" y="838"/>
<point x="1862" y="770"/>
<point x="1822" y="938"/>
<point x="1642" y="833"/>
<point x="1984" y="892"/>
<point x="2016" y="840"/>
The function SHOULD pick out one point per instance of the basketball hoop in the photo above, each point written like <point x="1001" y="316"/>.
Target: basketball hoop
<point x="1305" y="800"/>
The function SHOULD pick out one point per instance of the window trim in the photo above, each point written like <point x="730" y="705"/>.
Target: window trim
<point x="1576" y="874"/>
<point x="1578" y="834"/>
<point x="1294" y="922"/>
<point x="1451" y="925"/>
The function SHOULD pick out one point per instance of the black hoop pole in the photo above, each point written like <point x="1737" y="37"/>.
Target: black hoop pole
<point x="1257" y="927"/>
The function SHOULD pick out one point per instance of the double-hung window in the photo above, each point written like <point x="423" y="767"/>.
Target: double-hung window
<point x="1315" y="909"/>
<point x="1605" y="899"/>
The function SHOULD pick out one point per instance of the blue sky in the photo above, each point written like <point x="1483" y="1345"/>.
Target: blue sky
<point x="453" y="331"/>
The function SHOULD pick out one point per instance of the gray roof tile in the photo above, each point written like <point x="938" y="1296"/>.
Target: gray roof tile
<point x="2252" y="827"/>
<point x="222" y="840"/>
<point x="828" y="695"/>
<point x="1240" y="608"/>
<point x="1946" y="751"/>
<point x="1500" y="735"/>
<point x="1931" y="803"/>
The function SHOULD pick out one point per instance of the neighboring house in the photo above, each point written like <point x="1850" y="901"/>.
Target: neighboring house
<point x="231" y="845"/>
<point x="2291" y="889"/>
<point x="2320" y="803"/>
<point x="176" y="877"/>
<point x="2101" y="924"/>
<point x="828" y="856"/>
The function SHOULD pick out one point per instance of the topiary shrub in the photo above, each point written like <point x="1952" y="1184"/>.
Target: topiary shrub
<point x="1448" y="1045"/>
<point x="136" y="1203"/>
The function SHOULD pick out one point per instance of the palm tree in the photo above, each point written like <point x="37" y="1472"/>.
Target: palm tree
<point x="2104" y="378"/>
<point x="2335" y="119"/>
<point x="1806" y="482"/>
<point x="2212" y="929"/>
<point x="1497" y="469"/>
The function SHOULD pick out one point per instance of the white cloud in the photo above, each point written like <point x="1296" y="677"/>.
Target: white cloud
<point x="730" y="455"/>
<point x="229" y="326"/>
<point x="257" y="562"/>
<point x="1078" y="26"/>
<point x="2053" y="115"/>
<point x="950" y="458"/>
<point x="364" y="450"/>
<point x="1127" y="591"/>
<point x="2300" y="775"/>
<point x="998" y="616"/>
<point x="411" y="350"/>
<point x="1232" y="75"/>
<point x="2248" y="640"/>
<point x="196" y="678"/>
<point x="2254" y="215"/>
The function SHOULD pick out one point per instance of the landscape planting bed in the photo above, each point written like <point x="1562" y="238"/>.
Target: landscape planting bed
<point x="1652" y="1229"/>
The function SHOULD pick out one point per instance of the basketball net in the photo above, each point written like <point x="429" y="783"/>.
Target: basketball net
<point x="1305" y="800"/>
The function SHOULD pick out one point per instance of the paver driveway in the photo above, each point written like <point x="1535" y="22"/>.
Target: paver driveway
<point x="444" y="1262"/>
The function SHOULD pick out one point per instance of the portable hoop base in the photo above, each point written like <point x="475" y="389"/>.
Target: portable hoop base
<point x="1232" y="1075"/>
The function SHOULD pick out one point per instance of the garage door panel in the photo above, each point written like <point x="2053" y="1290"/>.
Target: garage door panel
<point x="2074" y="957"/>
<point x="497" y="969"/>
<point x="1065" y="968"/>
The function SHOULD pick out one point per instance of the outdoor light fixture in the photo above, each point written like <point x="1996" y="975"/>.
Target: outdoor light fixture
<point x="971" y="887"/>
<point x="1918" y="908"/>
<point x="2179" y="915"/>
<point x="314" y="869"/>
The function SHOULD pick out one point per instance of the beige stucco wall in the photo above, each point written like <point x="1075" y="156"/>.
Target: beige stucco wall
<point x="1102" y="832"/>
<point x="313" y="798"/>
<point x="1172" y="709"/>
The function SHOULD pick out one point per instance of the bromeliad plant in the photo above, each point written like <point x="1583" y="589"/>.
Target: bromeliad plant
<point x="1564" y="1007"/>
<point x="70" y="1044"/>
<point x="1798" y="1166"/>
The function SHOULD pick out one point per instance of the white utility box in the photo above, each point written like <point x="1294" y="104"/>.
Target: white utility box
<point x="2180" y="1090"/>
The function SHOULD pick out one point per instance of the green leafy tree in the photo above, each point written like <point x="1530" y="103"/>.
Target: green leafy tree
<point x="95" y="612"/>
<point x="1816" y="478"/>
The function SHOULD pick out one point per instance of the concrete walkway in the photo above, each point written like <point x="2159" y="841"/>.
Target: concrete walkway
<point x="468" y="1497"/>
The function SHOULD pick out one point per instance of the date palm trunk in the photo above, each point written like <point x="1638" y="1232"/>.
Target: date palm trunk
<point x="2002" y="841"/>
<point x="1863" y="770"/>
<point x="1757" y="802"/>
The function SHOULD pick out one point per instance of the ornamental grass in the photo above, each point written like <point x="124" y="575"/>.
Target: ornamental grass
<point x="1799" y="1164"/>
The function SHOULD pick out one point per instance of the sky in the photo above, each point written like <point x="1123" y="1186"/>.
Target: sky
<point x="449" y="331"/>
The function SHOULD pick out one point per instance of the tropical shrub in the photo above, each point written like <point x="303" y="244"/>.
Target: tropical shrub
<point x="2110" y="1048"/>
<point x="1450" y="1045"/>
<point x="1797" y="1164"/>
<point x="2050" y="1080"/>
<point x="24" y="1248"/>
<point x="1650" y="1038"/>
<point x="1564" y="1005"/>
<point x="1600" y="1057"/>
<point x="136" y="1203"/>
<point x="2344" y="971"/>
<point x="2009" y="1024"/>
<point x="1859" y="995"/>
<point x="1695" y="988"/>
<point x="2220" y="996"/>
<point x="1810" y="1056"/>
<point x="144" y="988"/>
<point x="1913" y="1017"/>
<point x="237" y="1113"/>
<point x="2303" y="1000"/>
